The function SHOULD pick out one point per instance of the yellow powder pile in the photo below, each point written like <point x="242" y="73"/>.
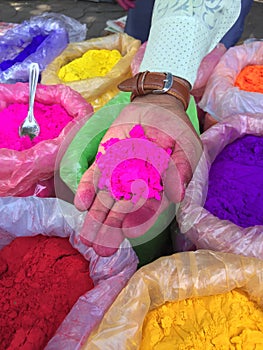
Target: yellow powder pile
<point x="94" y="63"/>
<point x="223" y="322"/>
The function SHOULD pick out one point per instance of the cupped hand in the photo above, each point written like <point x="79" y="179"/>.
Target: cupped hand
<point x="126" y="4"/>
<point x="169" y="133"/>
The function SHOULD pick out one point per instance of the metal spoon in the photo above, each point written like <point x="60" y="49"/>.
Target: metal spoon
<point x="30" y="126"/>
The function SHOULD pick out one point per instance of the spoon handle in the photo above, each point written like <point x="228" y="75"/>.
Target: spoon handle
<point x="33" y="80"/>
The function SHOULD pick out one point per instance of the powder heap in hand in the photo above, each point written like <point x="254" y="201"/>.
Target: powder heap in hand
<point x="250" y="78"/>
<point x="51" y="119"/>
<point x="94" y="63"/>
<point x="224" y="321"/>
<point x="41" y="278"/>
<point x="133" y="169"/>
<point x="236" y="182"/>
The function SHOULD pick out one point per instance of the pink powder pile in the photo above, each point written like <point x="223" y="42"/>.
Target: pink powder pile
<point x="51" y="118"/>
<point x="135" y="167"/>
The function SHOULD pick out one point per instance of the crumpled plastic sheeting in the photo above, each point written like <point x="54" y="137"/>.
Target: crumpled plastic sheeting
<point x="206" y="68"/>
<point x="98" y="90"/>
<point x="221" y="98"/>
<point x="52" y="217"/>
<point x="176" y="277"/>
<point x="20" y="170"/>
<point x="204" y="229"/>
<point x="53" y="21"/>
<point x="137" y="59"/>
<point x="20" y="36"/>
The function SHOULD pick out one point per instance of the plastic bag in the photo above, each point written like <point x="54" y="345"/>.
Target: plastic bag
<point x="98" y="90"/>
<point x="204" y="229"/>
<point x="20" y="170"/>
<point x="137" y="59"/>
<point x="173" y="278"/>
<point x="14" y="45"/>
<point x="53" y="21"/>
<point x="221" y="98"/>
<point x="52" y="217"/>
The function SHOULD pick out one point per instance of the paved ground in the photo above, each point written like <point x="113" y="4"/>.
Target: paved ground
<point x="95" y="14"/>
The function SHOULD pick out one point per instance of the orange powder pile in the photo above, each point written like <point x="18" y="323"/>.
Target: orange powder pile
<point x="250" y="79"/>
<point x="228" y="321"/>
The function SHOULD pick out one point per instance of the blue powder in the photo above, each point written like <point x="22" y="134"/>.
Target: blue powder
<point x="31" y="48"/>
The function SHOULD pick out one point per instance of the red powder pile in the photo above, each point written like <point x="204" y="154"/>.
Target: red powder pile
<point x="135" y="168"/>
<point x="51" y="119"/>
<point x="250" y="79"/>
<point x="41" y="278"/>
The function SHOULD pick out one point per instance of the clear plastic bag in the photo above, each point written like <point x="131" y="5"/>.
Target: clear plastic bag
<point x="204" y="229"/>
<point x="52" y="217"/>
<point x="172" y="278"/>
<point x="53" y="21"/>
<point x="221" y="98"/>
<point x="99" y="90"/>
<point x="20" y="170"/>
<point x="14" y="46"/>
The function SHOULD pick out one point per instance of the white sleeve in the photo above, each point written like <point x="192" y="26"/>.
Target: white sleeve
<point x="184" y="31"/>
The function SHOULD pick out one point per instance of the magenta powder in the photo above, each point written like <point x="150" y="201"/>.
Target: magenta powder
<point x="135" y="167"/>
<point x="51" y="118"/>
<point x="235" y="190"/>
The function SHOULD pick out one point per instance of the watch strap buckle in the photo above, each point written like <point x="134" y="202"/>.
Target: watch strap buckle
<point x="168" y="83"/>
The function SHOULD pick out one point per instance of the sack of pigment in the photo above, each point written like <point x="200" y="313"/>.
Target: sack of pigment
<point x="191" y="300"/>
<point x="224" y="95"/>
<point x="223" y="205"/>
<point x="94" y="67"/>
<point x="54" y="290"/>
<point x="24" y="163"/>
<point x="36" y="41"/>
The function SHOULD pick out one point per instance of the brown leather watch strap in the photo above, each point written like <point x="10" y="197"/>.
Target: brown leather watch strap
<point x="157" y="83"/>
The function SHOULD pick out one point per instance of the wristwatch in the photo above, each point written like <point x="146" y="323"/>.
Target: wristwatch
<point x="147" y="82"/>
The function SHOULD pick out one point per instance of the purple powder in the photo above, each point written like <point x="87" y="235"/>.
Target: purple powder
<point x="31" y="48"/>
<point x="235" y="189"/>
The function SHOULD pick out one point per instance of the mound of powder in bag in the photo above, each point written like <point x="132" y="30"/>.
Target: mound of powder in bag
<point x="223" y="321"/>
<point x="41" y="278"/>
<point x="236" y="182"/>
<point x="250" y="78"/>
<point x="94" y="63"/>
<point x="51" y="118"/>
<point x="28" y="50"/>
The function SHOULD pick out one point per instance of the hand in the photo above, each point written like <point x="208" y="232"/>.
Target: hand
<point x="126" y="4"/>
<point x="110" y="220"/>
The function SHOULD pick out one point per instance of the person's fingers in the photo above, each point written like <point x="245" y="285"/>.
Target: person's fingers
<point x="138" y="222"/>
<point x="178" y="175"/>
<point x="110" y="234"/>
<point x="87" y="188"/>
<point x="96" y="216"/>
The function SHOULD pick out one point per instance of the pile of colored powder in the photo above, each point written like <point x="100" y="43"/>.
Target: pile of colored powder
<point x="223" y="321"/>
<point x="236" y="182"/>
<point x="51" y="119"/>
<point x="94" y="63"/>
<point x="250" y="78"/>
<point x="28" y="50"/>
<point x="41" y="278"/>
<point x="134" y="165"/>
